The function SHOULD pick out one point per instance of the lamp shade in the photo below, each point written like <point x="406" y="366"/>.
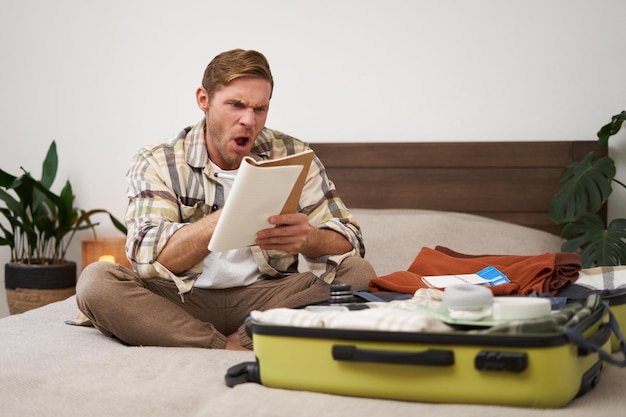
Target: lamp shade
<point x="111" y="249"/>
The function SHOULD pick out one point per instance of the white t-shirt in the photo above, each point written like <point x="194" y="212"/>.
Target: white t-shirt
<point x="233" y="268"/>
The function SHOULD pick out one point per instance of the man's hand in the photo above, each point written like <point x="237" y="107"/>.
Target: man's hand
<point x="290" y="234"/>
<point x="293" y="234"/>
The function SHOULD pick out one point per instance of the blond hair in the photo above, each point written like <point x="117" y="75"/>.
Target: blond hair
<point x="234" y="64"/>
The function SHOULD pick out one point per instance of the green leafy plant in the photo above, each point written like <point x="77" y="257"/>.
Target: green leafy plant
<point x="586" y="187"/>
<point x="41" y="224"/>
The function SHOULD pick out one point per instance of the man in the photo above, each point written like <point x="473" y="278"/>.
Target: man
<point x="180" y="293"/>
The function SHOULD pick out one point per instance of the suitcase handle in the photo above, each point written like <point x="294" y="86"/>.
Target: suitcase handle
<point x="430" y="357"/>
<point x="595" y="344"/>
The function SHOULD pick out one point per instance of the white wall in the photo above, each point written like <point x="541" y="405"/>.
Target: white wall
<point x="105" y="77"/>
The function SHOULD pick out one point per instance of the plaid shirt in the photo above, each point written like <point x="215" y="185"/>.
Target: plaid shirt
<point x="171" y="184"/>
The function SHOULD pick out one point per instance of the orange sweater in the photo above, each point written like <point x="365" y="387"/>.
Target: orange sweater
<point x="543" y="274"/>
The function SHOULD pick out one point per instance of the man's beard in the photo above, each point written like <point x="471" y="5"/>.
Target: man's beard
<point x="222" y="146"/>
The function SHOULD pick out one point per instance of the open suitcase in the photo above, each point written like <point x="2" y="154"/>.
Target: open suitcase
<point x="543" y="370"/>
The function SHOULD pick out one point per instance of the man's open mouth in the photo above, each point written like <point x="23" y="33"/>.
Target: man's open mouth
<point x="242" y="141"/>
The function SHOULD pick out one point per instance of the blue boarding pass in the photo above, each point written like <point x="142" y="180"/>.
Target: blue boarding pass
<point x="487" y="276"/>
<point x="493" y="276"/>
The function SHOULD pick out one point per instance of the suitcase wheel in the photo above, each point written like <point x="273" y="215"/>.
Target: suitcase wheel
<point x="242" y="373"/>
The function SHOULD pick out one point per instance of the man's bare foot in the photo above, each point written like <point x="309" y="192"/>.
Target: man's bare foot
<point x="233" y="342"/>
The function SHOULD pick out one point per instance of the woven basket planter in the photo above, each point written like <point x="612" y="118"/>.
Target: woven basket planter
<point x="29" y="286"/>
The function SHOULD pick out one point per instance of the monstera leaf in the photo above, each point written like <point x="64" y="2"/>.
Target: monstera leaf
<point x="611" y="128"/>
<point x="586" y="187"/>
<point x="599" y="245"/>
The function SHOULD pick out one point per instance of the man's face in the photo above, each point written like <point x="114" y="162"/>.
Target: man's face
<point x="234" y="117"/>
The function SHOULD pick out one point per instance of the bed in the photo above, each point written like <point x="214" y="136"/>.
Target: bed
<point x="471" y="197"/>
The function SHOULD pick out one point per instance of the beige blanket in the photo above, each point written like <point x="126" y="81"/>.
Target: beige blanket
<point x="48" y="368"/>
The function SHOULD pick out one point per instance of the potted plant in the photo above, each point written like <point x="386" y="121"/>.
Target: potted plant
<point x="39" y="228"/>
<point x="586" y="187"/>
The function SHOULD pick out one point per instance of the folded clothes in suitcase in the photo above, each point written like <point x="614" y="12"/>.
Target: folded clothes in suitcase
<point x="538" y="363"/>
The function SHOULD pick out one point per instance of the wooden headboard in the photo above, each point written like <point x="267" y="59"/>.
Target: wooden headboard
<point x="509" y="181"/>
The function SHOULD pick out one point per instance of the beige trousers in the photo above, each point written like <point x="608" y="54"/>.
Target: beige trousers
<point x="151" y="312"/>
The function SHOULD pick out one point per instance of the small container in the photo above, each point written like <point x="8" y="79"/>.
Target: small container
<point x="341" y="294"/>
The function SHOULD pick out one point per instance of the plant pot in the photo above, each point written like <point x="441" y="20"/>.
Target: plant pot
<point x="29" y="286"/>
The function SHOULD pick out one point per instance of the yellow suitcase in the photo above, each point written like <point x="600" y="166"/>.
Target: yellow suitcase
<point x="617" y="304"/>
<point x="530" y="370"/>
